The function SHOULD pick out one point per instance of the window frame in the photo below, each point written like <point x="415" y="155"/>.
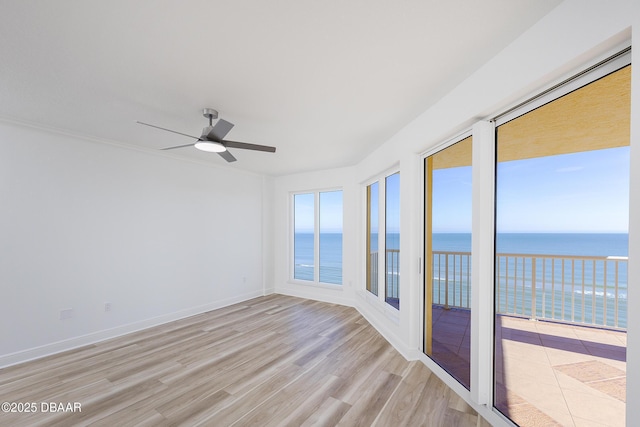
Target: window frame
<point x="380" y="178"/>
<point x="425" y="268"/>
<point x="368" y="226"/>
<point x="468" y="133"/>
<point x="316" y="239"/>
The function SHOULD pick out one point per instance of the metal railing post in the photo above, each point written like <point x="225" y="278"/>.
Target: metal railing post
<point x="533" y="288"/>
<point x="446" y="281"/>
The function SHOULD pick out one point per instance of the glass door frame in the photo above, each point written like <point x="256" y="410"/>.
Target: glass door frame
<point x="601" y="69"/>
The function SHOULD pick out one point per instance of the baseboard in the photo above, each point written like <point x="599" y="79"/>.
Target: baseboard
<point x="315" y="297"/>
<point x="302" y="293"/>
<point x="367" y="312"/>
<point x="364" y="310"/>
<point x="94" y="337"/>
<point x="268" y="291"/>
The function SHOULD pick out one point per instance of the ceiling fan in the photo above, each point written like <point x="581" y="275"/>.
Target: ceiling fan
<point x="212" y="138"/>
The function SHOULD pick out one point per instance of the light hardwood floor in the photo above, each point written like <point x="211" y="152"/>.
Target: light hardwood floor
<point x="270" y="361"/>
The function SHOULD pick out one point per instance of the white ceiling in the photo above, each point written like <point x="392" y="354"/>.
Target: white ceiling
<point x="325" y="82"/>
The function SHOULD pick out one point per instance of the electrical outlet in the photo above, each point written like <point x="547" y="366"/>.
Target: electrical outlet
<point x="66" y="314"/>
<point x="107" y="306"/>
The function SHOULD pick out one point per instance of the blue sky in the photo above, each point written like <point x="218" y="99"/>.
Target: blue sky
<point x="578" y="192"/>
<point x="452" y="200"/>
<point x="331" y="209"/>
<point x="392" y="203"/>
<point x="375" y="193"/>
<point x="303" y="205"/>
<point x="330" y="212"/>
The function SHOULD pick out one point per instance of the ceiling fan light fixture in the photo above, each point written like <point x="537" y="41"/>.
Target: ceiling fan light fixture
<point x="210" y="146"/>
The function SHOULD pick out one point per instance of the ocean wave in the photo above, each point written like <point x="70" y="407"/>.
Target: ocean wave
<point x="611" y="295"/>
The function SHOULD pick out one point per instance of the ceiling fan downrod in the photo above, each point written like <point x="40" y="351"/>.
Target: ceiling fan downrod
<point x="210" y="114"/>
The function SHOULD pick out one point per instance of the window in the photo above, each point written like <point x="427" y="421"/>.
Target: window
<point x="304" y="232"/>
<point x="330" y="220"/>
<point x="447" y="338"/>
<point x="392" y="240"/>
<point x="562" y="185"/>
<point x="372" y="238"/>
<point x="317" y="237"/>
<point x="383" y="232"/>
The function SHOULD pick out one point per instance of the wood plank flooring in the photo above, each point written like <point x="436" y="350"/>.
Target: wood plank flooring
<point x="270" y="361"/>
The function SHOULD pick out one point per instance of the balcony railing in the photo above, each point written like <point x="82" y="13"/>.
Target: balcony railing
<point x="571" y="289"/>
<point x="373" y="273"/>
<point x="451" y="279"/>
<point x="392" y="274"/>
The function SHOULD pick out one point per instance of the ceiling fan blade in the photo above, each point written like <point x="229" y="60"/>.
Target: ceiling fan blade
<point x="168" y="130"/>
<point x="220" y="130"/>
<point x="247" y="146"/>
<point x="177" y="146"/>
<point x="227" y="156"/>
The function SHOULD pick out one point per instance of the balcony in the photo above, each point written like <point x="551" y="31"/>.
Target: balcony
<point x="560" y="325"/>
<point x="563" y="315"/>
<point x="392" y="278"/>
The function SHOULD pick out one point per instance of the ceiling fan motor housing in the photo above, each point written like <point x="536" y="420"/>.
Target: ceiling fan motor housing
<point x="205" y="132"/>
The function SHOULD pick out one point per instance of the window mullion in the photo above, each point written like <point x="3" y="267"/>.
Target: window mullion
<point x="482" y="260"/>
<point x="382" y="240"/>
<point x="316" y="237"/>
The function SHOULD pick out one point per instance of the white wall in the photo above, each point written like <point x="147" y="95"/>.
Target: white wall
<point x="83" y="223"/>
<point x="575" y="35"/>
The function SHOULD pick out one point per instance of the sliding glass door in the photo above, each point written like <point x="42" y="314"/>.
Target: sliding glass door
<point x="562" y="186"/>
<point x="448" y="196"/>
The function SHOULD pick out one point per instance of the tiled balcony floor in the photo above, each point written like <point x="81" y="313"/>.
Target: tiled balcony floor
<point x="548" y="374"/>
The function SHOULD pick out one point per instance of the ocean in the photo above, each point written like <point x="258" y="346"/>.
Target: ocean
<point x="330" y="257"/>
<point x="584" y="244"/>
<point x="592" y="292"/>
